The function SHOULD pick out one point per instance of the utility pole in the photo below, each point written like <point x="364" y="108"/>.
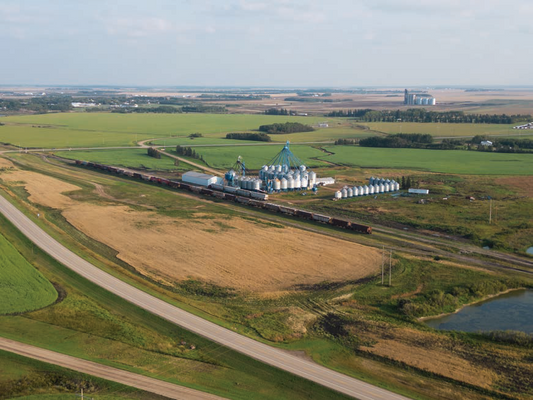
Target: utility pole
<point x="390" y="268"/>
<point x="490" y="212"/>
<point x="382" y="265"/>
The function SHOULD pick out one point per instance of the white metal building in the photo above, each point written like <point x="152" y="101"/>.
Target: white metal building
<point x="197" y="178"/>
<point x="418" y="191"/>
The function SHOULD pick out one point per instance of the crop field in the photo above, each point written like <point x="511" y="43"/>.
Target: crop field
<point x="442" y="130"/>
<point x="257" y="156"/>
<point x="133" y="158"/>
<point x="446" y="161"/>
<point x="22" y="287"/>
<point x="28" y="136"/>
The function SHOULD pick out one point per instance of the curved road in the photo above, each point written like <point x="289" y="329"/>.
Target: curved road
<point x="252" y="348"/>
<point x="137" y="381"/>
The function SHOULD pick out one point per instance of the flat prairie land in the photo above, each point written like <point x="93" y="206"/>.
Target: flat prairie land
<point x="132" y="158"/>
<point x="442" y="129"/>
<point x="22" y="287"/>
<point x="227" y="251"/>
<point x="256" y="156"/>
<point x="446" y="161"/>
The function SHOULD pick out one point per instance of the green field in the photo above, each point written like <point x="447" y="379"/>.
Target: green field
<point x="441" y="130"/>
<point x="22" y="287"/>
<point x="256" y="156"/>
<point x="57" y="137"/>
<point x="447" y="161"/>
<point x="133" y="158"/>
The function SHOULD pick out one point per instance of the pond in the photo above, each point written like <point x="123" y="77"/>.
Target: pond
<point x="530" y="250"/>
<point x="510" y="311"/>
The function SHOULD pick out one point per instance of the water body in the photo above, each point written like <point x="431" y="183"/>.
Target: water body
<point x="530" y="250"/>
<point x="510" y="311"/>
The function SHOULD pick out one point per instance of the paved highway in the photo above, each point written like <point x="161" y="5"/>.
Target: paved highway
<point x="260" y="351"/>
<point x="142" y="382"/>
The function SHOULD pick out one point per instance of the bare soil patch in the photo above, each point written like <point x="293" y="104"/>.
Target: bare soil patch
<point x="227" y="252"/>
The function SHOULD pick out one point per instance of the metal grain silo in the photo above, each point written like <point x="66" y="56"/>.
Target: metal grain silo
<point x="257" y="184"/>
<point x="371" y="189"/>
<point x="277" y="184"/>
<point x="355" y="191"/>
<point x="305" y="182"/>
<point x="387" y="187"/>
<point x="344" y="193"/>
<point x="350" y="192"/>
<point x="338" y="194"/>
<point x="381" y="188"/>
<point x="284" y="184"/>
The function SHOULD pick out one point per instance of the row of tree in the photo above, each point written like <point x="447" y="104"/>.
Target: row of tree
<point x="259" y="137"/>
<point x="152" y="152"/>
<point x="39" y="105"/>
<point x="399" y="140"/>
<point x="346" y="142"/>
<point x="188" y="152"/>
<point x="278" y="111"/>
<point x="423" y="115"/>
<point x="287" y="127"/>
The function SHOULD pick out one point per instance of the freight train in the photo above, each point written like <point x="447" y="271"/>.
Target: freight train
<point x="229" y="193"/>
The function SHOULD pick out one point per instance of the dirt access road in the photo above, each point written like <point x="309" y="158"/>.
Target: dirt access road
<point x="141" y="382"/>
<point x="226" y="337"/>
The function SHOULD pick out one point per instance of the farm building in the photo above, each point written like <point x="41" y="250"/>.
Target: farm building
<point x="419" y="191"/>
<point x="198" y="178"/>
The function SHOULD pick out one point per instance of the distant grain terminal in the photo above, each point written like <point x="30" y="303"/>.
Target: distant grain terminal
<point x="418" y="99"/>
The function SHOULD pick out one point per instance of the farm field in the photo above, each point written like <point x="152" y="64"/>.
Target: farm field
<point x="22" y="287"/>
<point x="27" y="136"/>
<point x="177" y="246"/>
<point x="330" y="320"/>
<point x="446" y="161"/>
<point x="442" y="130"/>
<point x="133" y="158"/>
<point x="257" y="156"/>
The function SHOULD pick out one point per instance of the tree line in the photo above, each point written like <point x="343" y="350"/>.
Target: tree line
<point x="399" y="140"/>
<point x="287" y="127"/>
<point x="425" y="116"/>
<point x="279" y="111"/>
<point x="152" y="152"/>
<point x="188" y="152"/>
<point x="259" y="137"/>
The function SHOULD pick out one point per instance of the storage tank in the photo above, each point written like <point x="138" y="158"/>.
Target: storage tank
<point x="397" y="186"/>
<point x="381" y="188"/>
<point x="432" y="101"/>
<point x="297" y="183"/>
<point x="312" y="178"/>
<point x="290" y="183"/>
<point x="361" y="191"/>
<point x="303" y="168"/>
<point x="355" y="191"/>
<point x="338" y="194"/>
<point x="367" y="190"/>
<point x="277" y="184"/>
<point x="387" y="187"/>
<point x="371" y="189"/>
<point x="371" y="180"/>
<point x="350" y="192"/>
<point x="284" y="184"/>
<point x="305" y="183"/>
<point x="376" y="189"/>
<point x="344" y="193"/>
<point x="257" y="184"/>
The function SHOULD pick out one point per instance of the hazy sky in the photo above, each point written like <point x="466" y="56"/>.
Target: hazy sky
<point x="267" y="42"/>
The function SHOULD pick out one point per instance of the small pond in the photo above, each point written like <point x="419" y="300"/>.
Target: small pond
<point x="530" y="250"/>
<point x="510" y="311"/>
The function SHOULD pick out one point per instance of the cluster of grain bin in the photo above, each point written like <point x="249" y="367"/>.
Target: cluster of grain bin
<point x="356" y="191"/>
<point x="250" y="183"/>
<point x="389" y="185"/>
<point x="282" y="177"/>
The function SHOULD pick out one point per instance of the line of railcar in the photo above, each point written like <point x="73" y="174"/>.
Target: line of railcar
<point x="254" y="199"/>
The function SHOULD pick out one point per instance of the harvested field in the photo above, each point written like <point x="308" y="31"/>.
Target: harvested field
<point x="5" y="164"/>
<point x="231" y="253"/>
<point x="425" y="351"/>
<point x="522" y="185"/>
<point x="227" y="252"/>
<point x="43" y="189"/>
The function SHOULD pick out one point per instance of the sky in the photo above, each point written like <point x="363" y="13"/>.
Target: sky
<point x="292" y="43"/>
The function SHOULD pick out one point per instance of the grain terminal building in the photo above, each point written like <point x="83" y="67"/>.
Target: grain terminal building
<point x="197" y="178"/>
